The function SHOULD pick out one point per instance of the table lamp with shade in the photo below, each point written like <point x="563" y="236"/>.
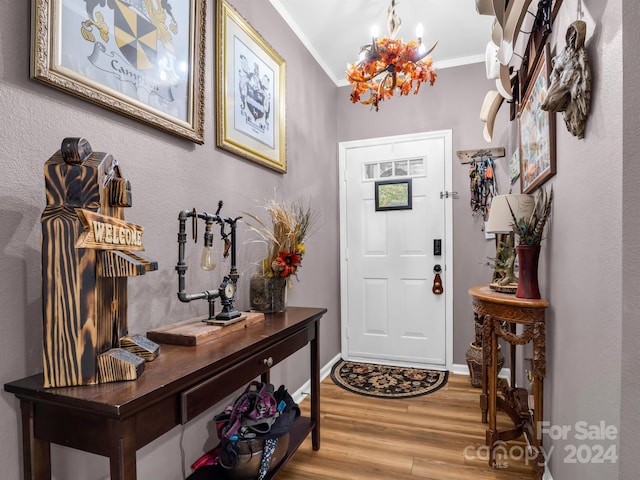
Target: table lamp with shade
<point x="501" y="221"/>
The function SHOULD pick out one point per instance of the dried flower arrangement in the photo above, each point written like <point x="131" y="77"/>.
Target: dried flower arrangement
<point x="529" y="230"/>
<point x="291" y="224"/>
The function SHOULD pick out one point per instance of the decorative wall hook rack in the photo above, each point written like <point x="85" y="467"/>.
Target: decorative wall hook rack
<point x="469" y="156"/>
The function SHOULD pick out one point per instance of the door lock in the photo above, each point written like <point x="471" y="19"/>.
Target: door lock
<point x="437" y="247"/>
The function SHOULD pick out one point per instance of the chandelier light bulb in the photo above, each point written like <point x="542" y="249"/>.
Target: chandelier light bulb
<point x="375" y="31"/>
<point x="419" y="31"/>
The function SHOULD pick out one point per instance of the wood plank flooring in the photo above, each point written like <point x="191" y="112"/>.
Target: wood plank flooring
<point x="437" y="436"/>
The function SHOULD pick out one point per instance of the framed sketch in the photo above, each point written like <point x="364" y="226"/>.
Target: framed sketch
<point x="537" y="130"/>
<point x="393" y="195"/>
<point x="141" y="59"/>
<point x="250" y="92"/>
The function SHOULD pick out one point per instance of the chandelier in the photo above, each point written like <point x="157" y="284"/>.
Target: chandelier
<point x="388" y="64"/>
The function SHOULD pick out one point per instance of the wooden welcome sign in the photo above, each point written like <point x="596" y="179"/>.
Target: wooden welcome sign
<point x="87" y="256"/>
<point x="108" y="233"/>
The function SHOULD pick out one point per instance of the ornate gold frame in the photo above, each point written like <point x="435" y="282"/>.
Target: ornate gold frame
<point x="253" y="129"/>
<point x="50" y="25"/>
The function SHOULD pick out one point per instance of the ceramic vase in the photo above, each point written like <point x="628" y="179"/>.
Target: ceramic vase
<point x="268" y="294"/>
<point x="528" y="256"/>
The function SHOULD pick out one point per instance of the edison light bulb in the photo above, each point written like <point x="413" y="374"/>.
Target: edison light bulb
<point x="207" y="260"/>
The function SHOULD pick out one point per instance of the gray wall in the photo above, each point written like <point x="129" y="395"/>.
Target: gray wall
<point x="583" y="262"/>
<point x="630" y="359"/>
<point x="167" y="174"/>
<point x="590" y="265"/>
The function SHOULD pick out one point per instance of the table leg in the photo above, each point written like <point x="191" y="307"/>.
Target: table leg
<point x="492" y="435"/>
<point x="36" y="453"/>
<point x="315" y="386"/>
<point x="486" y="352"/>
<point x="486" y="357"/>
<point x="539" y="367"/>
<point x="122" y="447"/>
<point x="512" y="357"/>
<point x="539" y="460"/>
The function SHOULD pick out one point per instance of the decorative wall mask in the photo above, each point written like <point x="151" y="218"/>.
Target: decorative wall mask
<point x="570" y="84"/>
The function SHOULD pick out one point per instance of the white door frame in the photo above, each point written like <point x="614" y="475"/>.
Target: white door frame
<point x="446" y="135"/>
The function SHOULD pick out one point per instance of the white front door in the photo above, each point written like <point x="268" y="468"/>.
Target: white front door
<point x="390" y="313"/>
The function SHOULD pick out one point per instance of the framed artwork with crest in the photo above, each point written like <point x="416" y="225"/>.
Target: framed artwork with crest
<point x="142" y="59"/>
<point x="250" y="92"/>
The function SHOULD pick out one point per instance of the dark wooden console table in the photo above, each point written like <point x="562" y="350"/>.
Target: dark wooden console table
<point x="500" y="314"/>
<point x="116" y="419"/>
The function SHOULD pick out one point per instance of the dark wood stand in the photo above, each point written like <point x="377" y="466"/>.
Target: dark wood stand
<point x="117" y="419"/>
<point x="501" y="313"/>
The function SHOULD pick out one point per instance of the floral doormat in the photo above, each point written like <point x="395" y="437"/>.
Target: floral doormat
<point x="386" y="381"/>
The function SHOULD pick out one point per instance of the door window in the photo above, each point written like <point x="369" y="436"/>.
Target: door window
<point x="412" y="167"/>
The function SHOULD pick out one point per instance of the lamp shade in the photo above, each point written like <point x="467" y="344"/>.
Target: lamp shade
<point x="500" y="219"/>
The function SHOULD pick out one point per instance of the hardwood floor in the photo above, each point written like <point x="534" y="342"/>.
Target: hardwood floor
<point x="437" y="436"/>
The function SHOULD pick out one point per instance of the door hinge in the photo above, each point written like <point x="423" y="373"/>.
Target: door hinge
<point x="446" y="194"/>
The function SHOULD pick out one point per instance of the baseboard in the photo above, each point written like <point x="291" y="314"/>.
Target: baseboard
<point x="302" y="392"/>
<point x="459" y="369"/>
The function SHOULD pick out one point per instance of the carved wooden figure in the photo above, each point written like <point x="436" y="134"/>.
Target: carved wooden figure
<point x="86" y="259"/>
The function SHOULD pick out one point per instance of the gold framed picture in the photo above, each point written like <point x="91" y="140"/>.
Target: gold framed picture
<point x="250" y="92"/>
<point x="142" y="59"/>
